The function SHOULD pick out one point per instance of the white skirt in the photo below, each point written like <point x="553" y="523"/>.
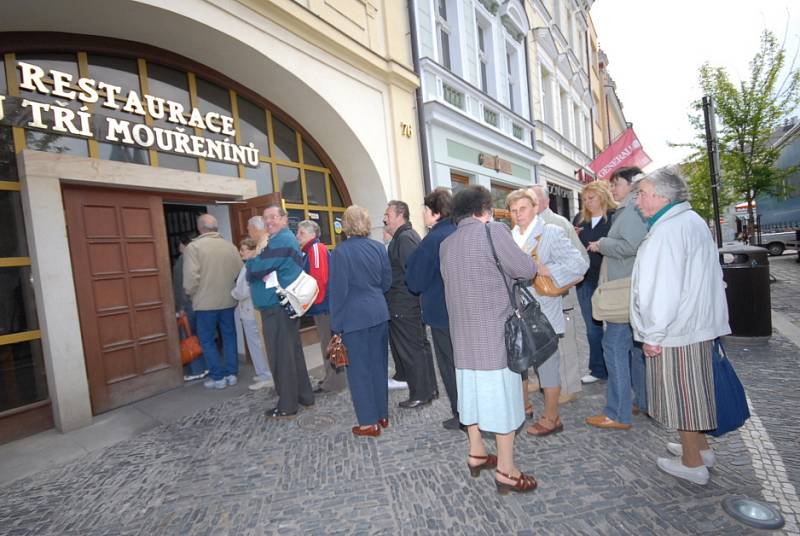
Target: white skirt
<point x="492" y="399"/>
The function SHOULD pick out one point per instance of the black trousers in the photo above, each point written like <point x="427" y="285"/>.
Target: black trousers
<point x="410" y="346"/>
<point x="443" y="347"/>
<point x="282" y="335"/>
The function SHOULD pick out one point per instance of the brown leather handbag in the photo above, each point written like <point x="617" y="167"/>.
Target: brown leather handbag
<point x="546" y="285"/>
<point x="337" y="352"/>
<point x="190" y="344"/>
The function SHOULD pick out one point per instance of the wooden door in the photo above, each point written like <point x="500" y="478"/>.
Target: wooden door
<point x="122" y="278"/>
<point x="241" y="212"/>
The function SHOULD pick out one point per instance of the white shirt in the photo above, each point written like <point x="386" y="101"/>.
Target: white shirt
<point x="521" y="237"/>
<point x="595" y="221"/>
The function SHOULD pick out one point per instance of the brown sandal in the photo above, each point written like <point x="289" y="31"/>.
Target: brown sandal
<point x="490" y="463"/>
<point x="540" y="430"/>
<point x="522" y="483"/>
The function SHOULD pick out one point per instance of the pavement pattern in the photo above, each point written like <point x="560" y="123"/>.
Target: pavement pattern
<point x="227" y="470"/>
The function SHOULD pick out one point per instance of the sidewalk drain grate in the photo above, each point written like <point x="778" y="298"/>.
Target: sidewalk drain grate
<point x="314" y="421"/>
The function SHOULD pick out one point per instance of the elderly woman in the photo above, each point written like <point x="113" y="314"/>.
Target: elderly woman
<point x="593" y="223"/>
<point x="557" y="257"/>
<point x="489" y="394"/>
<point x="359" y="276"/>
<point x="678" y="308"/>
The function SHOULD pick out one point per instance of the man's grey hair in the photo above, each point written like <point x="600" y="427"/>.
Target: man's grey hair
<point x="310" y="227"/>
<point x="281" y="211"/>
<point x="668" y="183"/>
<point x="256" y="222"/>
<point x="206" y="223"/>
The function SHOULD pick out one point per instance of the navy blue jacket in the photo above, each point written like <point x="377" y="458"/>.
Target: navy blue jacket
<point x="359" y="276"/>
<point x="589" y="234"/>
<point x="424" y="277"/>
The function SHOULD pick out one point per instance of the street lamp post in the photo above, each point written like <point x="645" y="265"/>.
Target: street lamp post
<point x="713" y="161"/>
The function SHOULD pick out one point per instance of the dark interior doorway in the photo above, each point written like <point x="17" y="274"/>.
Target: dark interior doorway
<point x="180" y="219"/>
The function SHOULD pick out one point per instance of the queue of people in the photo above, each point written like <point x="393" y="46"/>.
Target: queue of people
<point x="638" y="229"/>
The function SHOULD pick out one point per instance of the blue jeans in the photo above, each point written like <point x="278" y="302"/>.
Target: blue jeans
<point x="369" y="364"/>
<point x="639" y="376"/>
<point x="617" y="346"/>
<point x="207" y="322"/>
<point x="199" y="365"/>
<point x="594" y="330"/>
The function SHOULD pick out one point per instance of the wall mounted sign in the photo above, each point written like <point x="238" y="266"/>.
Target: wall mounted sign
<point x="61" y="117"/>
<point x="494" y="162"/>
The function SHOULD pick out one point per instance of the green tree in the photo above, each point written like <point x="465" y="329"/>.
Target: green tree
<point x="748" y="114"/>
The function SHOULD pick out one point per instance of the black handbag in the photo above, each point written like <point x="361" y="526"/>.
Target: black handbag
<point x="530" y="339"/>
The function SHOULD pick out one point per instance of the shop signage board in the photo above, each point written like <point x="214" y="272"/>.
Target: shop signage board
<point x="62" y="118"/>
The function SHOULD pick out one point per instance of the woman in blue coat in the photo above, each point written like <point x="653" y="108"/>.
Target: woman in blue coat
<point x="359" y="276"/>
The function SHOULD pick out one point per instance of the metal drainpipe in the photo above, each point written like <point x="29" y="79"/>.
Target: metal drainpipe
<point x="423" y="135"/>
<point x="530" y="102"/>
<point x="589" y="74"/>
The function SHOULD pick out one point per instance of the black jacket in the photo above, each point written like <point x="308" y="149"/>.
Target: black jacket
<point x="399" y="298"/>
<point x="589" y="234"/>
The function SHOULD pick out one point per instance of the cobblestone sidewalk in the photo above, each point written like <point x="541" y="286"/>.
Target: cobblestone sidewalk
<point x="228" y="471"/>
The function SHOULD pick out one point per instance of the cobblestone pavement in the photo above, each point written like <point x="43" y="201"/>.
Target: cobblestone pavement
<point x="785" y="289"/>
<point x="228" y="471"/>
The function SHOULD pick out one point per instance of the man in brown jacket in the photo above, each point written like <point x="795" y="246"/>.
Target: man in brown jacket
<point x="211" y="265"/>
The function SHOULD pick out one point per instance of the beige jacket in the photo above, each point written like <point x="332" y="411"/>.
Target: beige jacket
<point x="211" y="265"/>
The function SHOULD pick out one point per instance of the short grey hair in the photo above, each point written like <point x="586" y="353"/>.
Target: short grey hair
<point x="668" y="183"/>
<point x="256" y="222"/>
<point x="207" y="223"/>
<point x="310" y="227"/>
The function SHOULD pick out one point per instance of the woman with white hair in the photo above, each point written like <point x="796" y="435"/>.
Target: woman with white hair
<point x="678" y="308"/>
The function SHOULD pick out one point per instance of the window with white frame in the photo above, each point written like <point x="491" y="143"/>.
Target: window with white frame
<point x="443" y="33"/>
<point x="565" y="108"/>
<point x="485" y="54"/>
<point x="548" y="112"/>
<point x="512" y="73"/>
<point x="578" y="121"/>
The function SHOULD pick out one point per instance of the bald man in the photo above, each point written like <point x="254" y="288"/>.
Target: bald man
<point x="570" y="370"/>
<point x="211" y="265"/>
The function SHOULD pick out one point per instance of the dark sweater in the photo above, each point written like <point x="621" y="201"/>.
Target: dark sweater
<point x="424" y="277"/>
<point x="589" y="234"/>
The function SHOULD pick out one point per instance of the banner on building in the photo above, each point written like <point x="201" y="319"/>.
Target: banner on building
<point x="625" y="151"/>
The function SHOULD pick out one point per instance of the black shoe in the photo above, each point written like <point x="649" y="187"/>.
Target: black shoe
<point x="414" y="404"/>
<point x="436" y="395"/>
<point x="275" y="413"/>
<point x="452" y="424"/>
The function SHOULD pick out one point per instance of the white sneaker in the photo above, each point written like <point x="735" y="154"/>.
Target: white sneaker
<point x="215" y="384"/>
<point x="255" y="386"/>
<point x="232" y="380"/>
<point x="673" y="466"/>
<point x="394" y="384"/>
<point x="262" y="377"/>
<point x="709" y="457"/>
<point x="589" y="379"/>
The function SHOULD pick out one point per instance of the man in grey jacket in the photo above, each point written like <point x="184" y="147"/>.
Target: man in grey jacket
<point x="211" y="265"/>
<point x="624" y="360"/>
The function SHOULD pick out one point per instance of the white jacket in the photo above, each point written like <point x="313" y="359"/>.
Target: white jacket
<point x="677" y="291"/>
<point x="241" y="293"/>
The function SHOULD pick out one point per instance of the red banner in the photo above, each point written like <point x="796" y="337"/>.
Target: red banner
<point x="626" y="151"/>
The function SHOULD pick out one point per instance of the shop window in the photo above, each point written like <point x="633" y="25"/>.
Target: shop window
<point x="22" y="375"/>
<point x="336" y="198"/>
<point x="458" y="182"/>
<point x="285" y="141"/>
<point x="170" y="84"/>
<point x="310" y="156"/>
<point x="117" y="151"/>
<point x="12" y="239"/>
<point x="17" y="303"/>
<point x="174" y="161"/>
<point x="263" y="177"/>
<point x="3" y="86"/>
<point x="8" y="160"/>
<point x="289" y="184"/>
<point x="65" y="63"/>
<point x="295" y="217"/>
<point x="46" y="141"/>
<point x="501" y="212"/>
<point x="315" y="188"/>
<point x="122" y="72"/>
<point x="253" y="126"/>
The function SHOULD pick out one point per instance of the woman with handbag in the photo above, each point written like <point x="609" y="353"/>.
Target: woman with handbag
<point x="360" y="274"/>
<point x="678" y="308"/>
<point x="559" y="265"/>
<point x="623" y="358"/>
<point x="489" y="393"/>
<point x="593" y="223"/>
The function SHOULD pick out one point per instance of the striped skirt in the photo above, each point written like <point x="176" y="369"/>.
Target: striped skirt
<point x="680" y="388"/>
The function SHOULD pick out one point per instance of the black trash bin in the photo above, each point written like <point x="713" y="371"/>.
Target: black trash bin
<point x="746" y="273"/>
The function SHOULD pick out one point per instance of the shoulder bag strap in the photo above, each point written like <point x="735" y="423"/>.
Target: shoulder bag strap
<point x="500" y="267"/>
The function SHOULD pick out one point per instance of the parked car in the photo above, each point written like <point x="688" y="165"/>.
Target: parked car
<point x="776" y="243"/>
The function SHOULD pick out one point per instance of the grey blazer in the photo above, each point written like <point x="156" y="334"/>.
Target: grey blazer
<point x="562" y="258"/>
<point x="476" y="297"/>
<point x="628" y="229"/>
